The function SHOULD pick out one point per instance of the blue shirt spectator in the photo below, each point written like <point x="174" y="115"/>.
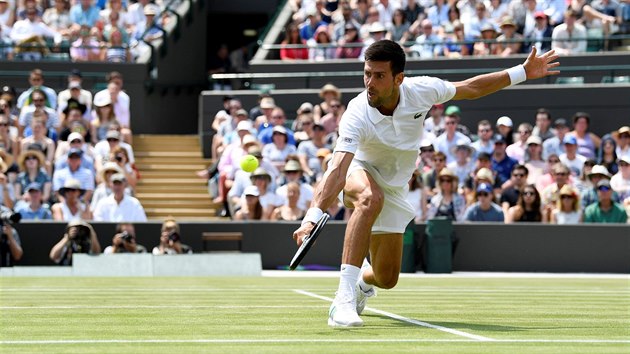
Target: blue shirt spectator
<point x="84" y="13"/>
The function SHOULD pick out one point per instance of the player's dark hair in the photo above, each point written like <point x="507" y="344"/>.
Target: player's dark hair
<point x="387" y="50"/>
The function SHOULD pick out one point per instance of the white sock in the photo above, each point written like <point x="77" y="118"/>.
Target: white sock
<point x="347" y="280"/>
<point x="363" y="285"/>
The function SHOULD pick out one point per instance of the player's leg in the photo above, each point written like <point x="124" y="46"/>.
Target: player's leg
<point x="366" y="197"/>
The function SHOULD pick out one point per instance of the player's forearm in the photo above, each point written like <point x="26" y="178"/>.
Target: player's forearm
<point x="482" y="85"/>
<point x="328" y="189"/>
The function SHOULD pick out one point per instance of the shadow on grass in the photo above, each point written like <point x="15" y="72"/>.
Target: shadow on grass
<point x="452" y="325"/>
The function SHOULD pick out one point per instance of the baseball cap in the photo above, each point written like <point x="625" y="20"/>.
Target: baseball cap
<point x="624" y="130"/>
<point x="280" y="129"/>
<point x="267" y="102"/>
<point x="112" y="134"/>
<point x="534" y="140"/>
<point x="305" y="107"/>
<point x="34" y="186"/>
<point x="75" y="152"/>
<point x="74" y="84"/>
<point x="74" y="136"/>
<point x="540" y="14"/>
<point x="242" y="112"/>
<point x="292" y="165"/>
<point x="605" y="183"/>
<point x="484" y="187"/>
<point x="452" y="110"/>
<point x="505" y="120"/>
<point x="118" y="177"/>
<point x="500" y="139"/>
<point x="251" y="190"/>
<point x="569" y="139"/>
<point x="244" y="125"/>
<point x="560" y="122"/>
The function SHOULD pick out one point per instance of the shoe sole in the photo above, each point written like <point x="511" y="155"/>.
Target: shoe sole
<point x="332" y="323"/>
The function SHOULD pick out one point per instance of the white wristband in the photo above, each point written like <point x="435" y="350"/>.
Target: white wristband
<point x="312" y="215"/>
<point x="517" y="74"/>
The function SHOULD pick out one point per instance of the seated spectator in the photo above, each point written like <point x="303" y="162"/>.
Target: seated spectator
<point x="482" y="174"/>
<point x="567" y="211"/>
<point x="6" y="188"/>
<point x="120" y="100"/>
<point x="124" y="242"/>
<point x="119" y="156"/>
<point x="350" y="46"/>
<point x="119" y="206"/>
<point x="589" y="195"/>
<point x="456" y="113"/>
<point x="86" y="47"/>
<point x="554" y="145"/>
<point x="251" y="209"/>
<point x="486" y="45"/>
<point x="29" y="37"/>
<point x="75" y="141"/>
<point x="428" y="44"/>
<point x="539" y="34"/>
<point x="39" y="138"/>
<point x="279" y="148"/>
<point x="171" y="240"/>
<point x="103" y="117"/>
<point x="293" y="46"/>
<point x="8" y="142"/>
<point x="623" y="138"/>
<point x="330" y="121"/>
<point x="36" y="82"/>
<point x="463" y="165"/>
<point x="278" y="118"/>
<point x="243" y="179"/>
<point x="290" y="210"/>
<point x="528" y="207"/>
<point x="32" y="167"/>
<point x="571" y="158"/>
<point x="502" y="164"/>
<point x="583" y="182"/>
<point x="268" y="198"/>
<point x="84" y="13"/>
<point x="70" y="207"/>
<point x="484" y="209"/>
<point x="328" y="93"/>
<point x="321" y="47"/>
<point x="58" y="17"/>
<point x="447" y="202"/>
<point x="562" y="34"/>
<point x="307" y="150"/>
<point x="416" y="197"/>
<point x="534" y="162"/>
<point x="74" y="97"/>
<point x="74" y="122"/>
<point x="505" y="47"/>
<point x="620" y="182"/>
<point x="458" y="44"/>
<point x="116" y="49"/>
<point x="424" y="162"/>
<point x="103" y="188"/>
<point x="293" y="173"/>
<point x="447" y="141"/>
<point x="103" y="148"/>
<point x="146" y="32"/>
<point x="543" y="128"/>
<point x="512" y="189"/>
<point x="550" y="195"/>
<point x="505" y="129"/>
<point x="517" y="150"/>
<point x="430" y="179"/>
<point x="605" y="210"/>
<point x="10" y="244"/>
<point x="36" y="108"/>
<point x="607" y="154"/>
<point x="32" y="207"/>
<point x="74" y="171"/>
<point x="587" y="141"/>
<point x="79" y="237"/>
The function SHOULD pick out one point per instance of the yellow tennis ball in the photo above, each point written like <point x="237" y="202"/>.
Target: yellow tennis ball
<point x="249" y="163"/>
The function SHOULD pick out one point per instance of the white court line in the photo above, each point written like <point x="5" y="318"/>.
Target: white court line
<point x="90" y="307"/>
<point x="405" y="319"/>
<point x="304" y="340"/>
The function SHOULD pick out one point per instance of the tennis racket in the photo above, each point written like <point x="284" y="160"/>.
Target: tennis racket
<point x="308" y="241"/>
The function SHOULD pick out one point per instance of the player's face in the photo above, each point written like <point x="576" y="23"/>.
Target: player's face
<point x="381" y="85"/>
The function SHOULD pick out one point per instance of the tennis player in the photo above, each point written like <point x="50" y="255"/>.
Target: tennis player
<point x="375" y="154"/>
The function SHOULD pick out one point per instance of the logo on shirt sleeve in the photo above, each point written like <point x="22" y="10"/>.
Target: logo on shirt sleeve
<point x="417" y="115"/>
<point x="347" y="140"/>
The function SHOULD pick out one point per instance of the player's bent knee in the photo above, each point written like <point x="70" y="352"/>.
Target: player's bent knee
<point x="387" y="280"/>
<point x="370" y="199"/>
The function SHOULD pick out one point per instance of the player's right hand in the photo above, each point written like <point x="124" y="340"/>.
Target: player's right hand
<point x="302" y="232"/>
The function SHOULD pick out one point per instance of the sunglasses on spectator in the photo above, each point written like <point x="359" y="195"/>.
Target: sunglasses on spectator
<point x="75" y="141"/>
<point x="566" y="197"/>
<point x="29" y="158"/>
<point x="529" y="194"/>
<point x="307" y="123"/>
<point x="603" y="188"/>
<point x="427" y="150"/>
<point x="553" y="161"/>
<point x="483" y="194"/>
<point x="277" y="117"/>
<point x="561" y="174"/>
<point x="38" y="100"/>
<point x="446" y="180"/>
<point x="112" y="139"/>
<point x="438" y="160"/>
<point x="335" y="105"/>
<point x="484" y="130"/>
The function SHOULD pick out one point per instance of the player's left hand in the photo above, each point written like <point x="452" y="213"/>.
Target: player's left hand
<point x="540" y="66"/>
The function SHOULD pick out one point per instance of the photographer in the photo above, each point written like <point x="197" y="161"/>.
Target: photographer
<point x="170" y="240"/>
<point x="10" y="245"/>
<point x="79" y="237"/>
<point x="124" y="241"/>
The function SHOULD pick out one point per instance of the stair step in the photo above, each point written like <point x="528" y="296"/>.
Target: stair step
<point x="173" y="181"/>
<point x="168" y="174"/>
<point x="172" y="189"/>
<point x="180" y="153"/>
<point x="164" y="167"/>
<point x="183" y="197"/>
<point x="166" y="160"/>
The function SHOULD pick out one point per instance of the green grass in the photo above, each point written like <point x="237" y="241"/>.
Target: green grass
<point x="266" y="315"/>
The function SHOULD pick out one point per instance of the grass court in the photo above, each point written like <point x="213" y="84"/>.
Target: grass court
<point x="271" y="314"/>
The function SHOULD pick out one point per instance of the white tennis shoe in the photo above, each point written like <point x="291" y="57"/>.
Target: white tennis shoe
<point x="343" y="313"/>
<point x="362" y="297"/>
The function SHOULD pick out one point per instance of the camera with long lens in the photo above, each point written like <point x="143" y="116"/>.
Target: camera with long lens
<point x="9" y="217"/>
<point x="80" y="239"/>
<point x="126" y="236"/>
<point x="173" y="236"/>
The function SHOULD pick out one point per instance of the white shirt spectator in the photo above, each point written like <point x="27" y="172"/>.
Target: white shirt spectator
<point x="26" y="116"/>
<point x="560" y="39"/>
<point x="24" y="29"/>
<point x="306" y="195"/>
<point x="129" y="210"/>
<point x="101" y="150"/>
<point x="121" y="106"/>
<point x="446" y="146"/>
<point x="576" y="165"/>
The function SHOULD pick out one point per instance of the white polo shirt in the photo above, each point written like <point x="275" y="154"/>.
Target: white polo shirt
<point x="129" y="210"/>
<point x="390" y="143"/>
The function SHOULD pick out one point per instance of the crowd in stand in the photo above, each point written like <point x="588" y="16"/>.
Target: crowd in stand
<point x="321" y="30"/>
<point x="86" y="30"/>
<point x="552" y="170"/>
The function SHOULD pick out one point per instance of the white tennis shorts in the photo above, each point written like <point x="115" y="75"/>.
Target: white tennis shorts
<point x="397" y="212"/>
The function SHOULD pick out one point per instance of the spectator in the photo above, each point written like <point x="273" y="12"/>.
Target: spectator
<point x="551" y="193"/>
<point x="583" y="182"/>
<point x="377" y="32"/>
<point x="243" y="179"/>
<point x="37" y="105"/>
<point x="570" y="158"/>
<point x="148" y="30"/>
<point x="307" y="150"/>
<point x="430" y="179"/>
<point x="230" y="160"/>
<point x="482" y="174"/>
<point x="32" y="170"/>
<point x="293" y="173"/>
<point x="118" y="206"/>
<point x="621" y="180"/>
<point x="103" y="189"/>
<point x="220" y="63"/>
<point x="562" y="34"/>
<point x="512" y="189"/>
<point x="10" y="244"/>
<point x="458" y="44"/>
<point x="447" y="141"/>
<point x="7" y="141"/>
<point x="568" y="209"/>
<point x="74" y="121"/>
<point x="38" y="126"/>
<point x="528" y="207"/>
<point x="104" y="116"/>
<point x="103" y="148"/>
<point x="309" y="26"/>
<point x="607" y="154"/>
<point x="554" y="145"/>
<point x="502" y="164"/>
<point x="28" y="35"/>
<point x="74" y="97"/>
<point x="321" y="47"/>
<point x="86" y="47"/>
<point x="517" y="150"/>
<point x="293" y="46"/>
<point x="533" y="159"/>
<point x="251" y="209"/>
<point x="478" y="21"/>
<point x="278" y="119"/>
<point x="399" y="26"/>
<point x="74" y="171"/>
<point x="70" y="207"/>
<point x="7" y="14"/>
<point x="79" y="237"/>
<point x="268" y="198"/>
<point x="170" y="240"/>
<point x="84" y="13"/>
<point x="435" y="120"/>
<point x="362" y="11"/>
<point x="438" y="13"/>
<point x="36" y="81"/>
<point x="543" y="128"/>
<point x="424" y="163"/>
<point x="538" y="36"/>
<point x="136" y="12"/>
<point x="416" y="196"/>
<point x="587" y="141"/>
<point x="350" y="46"/>
<point x="121" y="101"/>
<point x="58" y="17"/>
<point x="505" y="129"/>
<point x="290" y="210"/>
<point x="338" y="29"/>
<point x="484" y="209"/>
<point x="329" y="93"/>
<point x="487" y="44"/>
<point x="32" y="207"/>
<point x="427" y="45"/>
<point x="447" y="202"/>
<point x="623" y="147"/>
<point x="75" y="141"/>
<point x="331" y="120"/>
<point x="605" y="210"/>
<point x="278" y="150"/>
<point x="463" y="165"/>
<point x="124" y="242"/>
<point x="589" y="195"/>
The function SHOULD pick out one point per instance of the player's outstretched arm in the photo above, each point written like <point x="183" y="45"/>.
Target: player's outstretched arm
<point x="534" y="67"/>
<point x="326" y="192"/>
